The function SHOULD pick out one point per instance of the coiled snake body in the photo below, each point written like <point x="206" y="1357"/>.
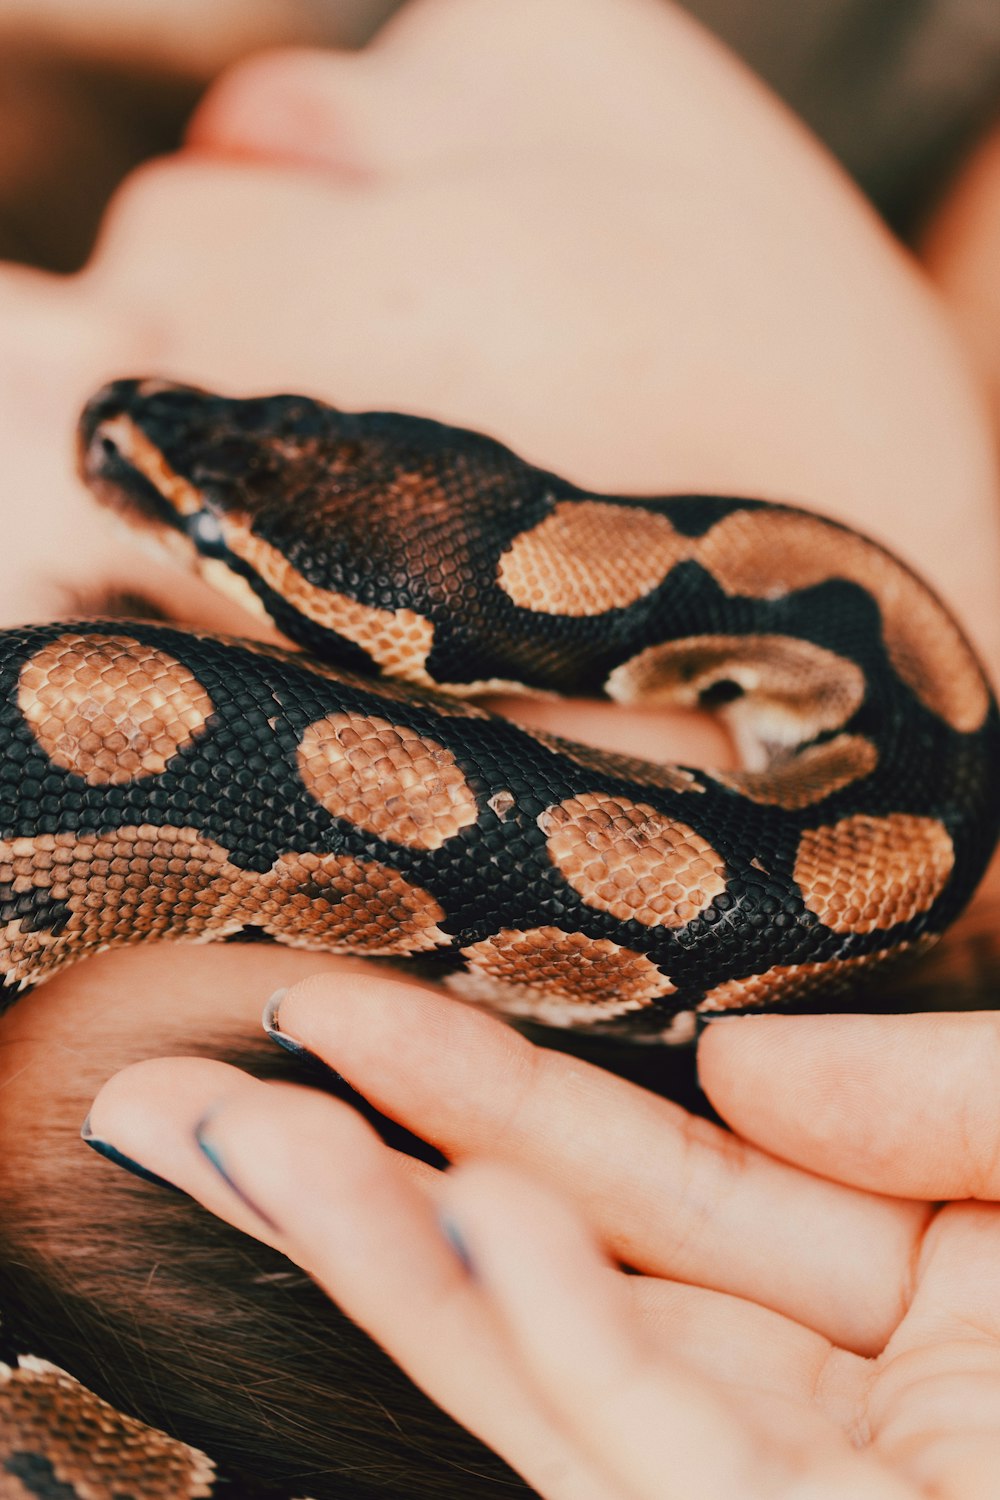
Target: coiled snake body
<point x="161" y="783"/>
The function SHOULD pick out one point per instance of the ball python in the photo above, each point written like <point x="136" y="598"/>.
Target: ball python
<point x="345" y="793"/>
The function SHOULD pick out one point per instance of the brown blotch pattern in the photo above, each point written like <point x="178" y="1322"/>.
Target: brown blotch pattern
<point x="559" y="978"/>
<point x="864" y="874"/>
<point x="808" y="777"/>
<point x="397" y="640"/>
<point x="110" y="708"/>
<point x="97" y="1451"/>
<point x="793" y="689"/>
<point x="588" y="557"/>
<point x="174" y="883"/>
<point x="566" y="566"/>
<point x="794" y="981"/>
<point x="386" y="779"/>
<point x="765" y="554"/>
<point x="628" y="859"/>
<point x="357" y="906"/>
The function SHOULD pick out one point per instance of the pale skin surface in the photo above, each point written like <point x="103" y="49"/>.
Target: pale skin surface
<point x="745" y="326"/>
<point x="961" y="250"/>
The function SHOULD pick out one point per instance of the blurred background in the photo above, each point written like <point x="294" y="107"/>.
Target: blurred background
<point x="896" y="88"/>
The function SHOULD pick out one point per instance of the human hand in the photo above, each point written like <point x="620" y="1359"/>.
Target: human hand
<point x="778" y="1321"/>
<point x="453" y="292"/>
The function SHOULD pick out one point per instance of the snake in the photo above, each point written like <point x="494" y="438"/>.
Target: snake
<point x="345" y="792"/>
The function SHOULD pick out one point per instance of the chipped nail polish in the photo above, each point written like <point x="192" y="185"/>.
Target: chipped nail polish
<point x="453" y="1234"/>
<point x="112" y="1154"/>
<point x="213" y="1156"/>
<point x="273" y="1029"/>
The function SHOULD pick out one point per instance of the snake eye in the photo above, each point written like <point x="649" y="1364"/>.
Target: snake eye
<point x="205" y="531"/>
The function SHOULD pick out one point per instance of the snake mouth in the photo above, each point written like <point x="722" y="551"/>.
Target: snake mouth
<point x="125" y="471"/>
<point x="131" y="476"/>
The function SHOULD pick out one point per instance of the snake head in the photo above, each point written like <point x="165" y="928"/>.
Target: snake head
<point x="138" y="446"/>
<point x="336" y="526"/>
<point x="210" y="467"/>
<point x="166" y="455"/>
<point x="210" y="478"/>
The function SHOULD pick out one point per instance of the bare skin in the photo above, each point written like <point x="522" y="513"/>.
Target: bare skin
<point x="787" y="1335"/>
<point x="960" y="250"/>
<point x="744" y="325"/>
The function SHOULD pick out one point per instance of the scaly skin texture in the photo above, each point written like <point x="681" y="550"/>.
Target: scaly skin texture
<point x="160" y="783"/>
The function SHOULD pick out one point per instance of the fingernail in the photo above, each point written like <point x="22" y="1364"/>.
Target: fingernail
<point x="112" y="1154"/>
<point x="449" y="1228"/>
<point x="702" y="1021"/>
<point x="273" y="1029"/>
<point x="734" y="1017"/>
<point x="212" y="1154"/>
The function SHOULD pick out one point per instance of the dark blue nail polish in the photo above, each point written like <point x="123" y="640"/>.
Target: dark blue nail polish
<point x="112" y="1154"/>
<point x="272" y="1027"/>
<point x="456" y="1240"/>
<point x="213" y="1156"/>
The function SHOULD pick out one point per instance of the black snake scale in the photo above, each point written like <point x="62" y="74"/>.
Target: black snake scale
<point x="157" y="782"/>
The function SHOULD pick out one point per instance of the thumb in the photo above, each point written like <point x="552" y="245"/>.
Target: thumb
<point x="905" y="1105"/>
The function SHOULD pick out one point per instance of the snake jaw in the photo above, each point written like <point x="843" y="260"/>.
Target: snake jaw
<point x="131" y="475"/>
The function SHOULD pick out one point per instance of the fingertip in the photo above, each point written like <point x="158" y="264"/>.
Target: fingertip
<point x="365" y="1015"/>
<point x="152" y="1077"/>
<point x="140" y="1108"/>
<point x="297" y="105"/>
<point x="729" y="1044"/>
<point x="896" y="1104"/>
<point x="325" y="1003"/>
<point x="539" y="1262"/>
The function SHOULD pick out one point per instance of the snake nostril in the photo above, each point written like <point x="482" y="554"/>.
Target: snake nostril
<point x="106" y="450"/>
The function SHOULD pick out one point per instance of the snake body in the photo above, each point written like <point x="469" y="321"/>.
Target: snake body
<point x="163" y="783"/>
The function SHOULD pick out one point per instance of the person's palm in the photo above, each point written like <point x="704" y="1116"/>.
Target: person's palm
<point x="784" y="1334"/>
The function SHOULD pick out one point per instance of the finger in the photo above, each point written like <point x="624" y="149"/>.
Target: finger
<point x="446" y="83"/>
<point x="127" y="1111"/>
<point x="660" y="733"/>
<point x="305" y="1174"/>
<point x="667" y="1194"/>
<point x="742" y="1345"/>
<point x="893" y="1104"/>
<point x="655" y="1427"/>
<point x="308" y="107"/>
<point x="934" y="1410"/>
<point x="150" y="1111"/>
